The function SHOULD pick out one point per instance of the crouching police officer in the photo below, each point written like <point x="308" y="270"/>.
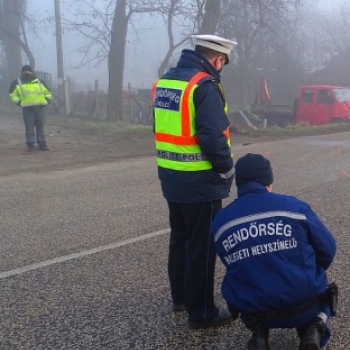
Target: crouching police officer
<point x="276" y="252"/>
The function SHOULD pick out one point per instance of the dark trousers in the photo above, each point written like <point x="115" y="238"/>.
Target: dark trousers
<point x="192" y="257"/>
<point x="34" y="121"/>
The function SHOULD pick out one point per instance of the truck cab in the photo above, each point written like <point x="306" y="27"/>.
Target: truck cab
<point x="322" y="104"/>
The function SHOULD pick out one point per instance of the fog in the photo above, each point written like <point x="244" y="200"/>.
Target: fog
<point x="144" y="52"/>
<point x="142" y="57"/>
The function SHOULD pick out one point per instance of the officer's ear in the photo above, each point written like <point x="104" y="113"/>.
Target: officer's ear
<point x="269" y="188"/>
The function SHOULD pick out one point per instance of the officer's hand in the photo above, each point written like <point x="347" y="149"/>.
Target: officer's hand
<point x="48" y="101"/>
<point x="18" y="103"/>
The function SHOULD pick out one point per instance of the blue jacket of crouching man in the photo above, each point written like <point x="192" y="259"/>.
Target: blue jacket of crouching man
<point x="275" y="249"/>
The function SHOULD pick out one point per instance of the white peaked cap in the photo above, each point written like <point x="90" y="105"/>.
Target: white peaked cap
<point x="214" y="42"/>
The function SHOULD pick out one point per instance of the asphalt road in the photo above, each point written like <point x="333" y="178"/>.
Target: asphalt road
<point x="84" y="251"/>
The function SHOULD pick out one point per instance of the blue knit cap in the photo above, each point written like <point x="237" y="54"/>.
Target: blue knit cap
<point x="253" y="168"/>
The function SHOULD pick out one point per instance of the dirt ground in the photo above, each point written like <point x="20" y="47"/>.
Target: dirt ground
<point x="73" y="146"/>
<point x="70" y="147"/>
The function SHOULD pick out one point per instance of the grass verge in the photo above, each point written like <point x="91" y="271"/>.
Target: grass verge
<point x="298" y="130"/>
<point x="100" y="126"/>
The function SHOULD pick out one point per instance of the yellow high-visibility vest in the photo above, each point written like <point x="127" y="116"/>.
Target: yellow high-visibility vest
<point x="175" y="132"/>
<point x="32" y="93"/>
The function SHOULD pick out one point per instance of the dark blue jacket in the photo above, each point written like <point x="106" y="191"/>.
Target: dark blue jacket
<point x="211" y="121"/>
<point x="275" y="250"/>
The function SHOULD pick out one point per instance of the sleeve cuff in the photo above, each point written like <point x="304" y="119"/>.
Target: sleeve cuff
<point x="228" y="175"/>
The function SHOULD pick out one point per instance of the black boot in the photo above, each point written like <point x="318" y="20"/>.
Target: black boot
<point x="30" y="148"/>
<point x="310" y="336"/>
<point x="222" y="319"/>
<point x="259" y="341"/>
<point x="43" y="147"/>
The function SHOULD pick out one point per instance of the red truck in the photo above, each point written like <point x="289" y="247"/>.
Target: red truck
<point x="315" y="105"/>
<point x="322" y="104"/>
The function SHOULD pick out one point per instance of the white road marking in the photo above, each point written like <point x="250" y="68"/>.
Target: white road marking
<point x="79" y="255"/>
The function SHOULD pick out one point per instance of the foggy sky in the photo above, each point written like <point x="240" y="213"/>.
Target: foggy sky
<point x="141" y="63"/>
<point x="142" y="58"/>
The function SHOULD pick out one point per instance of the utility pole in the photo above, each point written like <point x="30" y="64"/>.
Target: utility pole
<point x="62" y="85"/>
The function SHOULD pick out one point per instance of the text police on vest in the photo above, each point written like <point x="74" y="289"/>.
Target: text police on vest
<point x="257" y="230"/>
<point x="184" y="157"/>
<point x="167" y="98"/>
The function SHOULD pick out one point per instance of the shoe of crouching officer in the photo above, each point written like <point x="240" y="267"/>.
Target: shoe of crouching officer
<point x="259" y="341"/>
<point x="222" y="319"/>
<point x="310" y="336"/>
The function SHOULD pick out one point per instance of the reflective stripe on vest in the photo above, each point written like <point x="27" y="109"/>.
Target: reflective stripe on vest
<point x="25" y="93"/>
<point x="181" y="157"/>
<point x="32" y="93"/>
<point x="177" y="144"/>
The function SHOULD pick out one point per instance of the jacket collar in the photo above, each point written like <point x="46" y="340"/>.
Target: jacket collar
<point x="251" y="188"/>
<point x="192" y="59"/>
<point x="27" y="79"/>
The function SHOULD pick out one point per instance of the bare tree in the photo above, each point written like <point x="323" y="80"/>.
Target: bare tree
<point x="253" y="23"/>
<point x="116" y="58"/>
<point x="176" y="13"/>
<point x="106" y="26"/>
<point x="333" y="31"/>
<point x="13" y="34"/>
<point x="170" y="14"/>
<point x="329" y="45"/>
<point x="196" y="16"/>
<point x="10" y="34"/>
<point x="211" y="16"/>
<point x="94" y="22"/>
<point x="116" y="61"/>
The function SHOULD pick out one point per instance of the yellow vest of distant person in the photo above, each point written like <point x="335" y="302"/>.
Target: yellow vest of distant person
<point x="32" y="93"/>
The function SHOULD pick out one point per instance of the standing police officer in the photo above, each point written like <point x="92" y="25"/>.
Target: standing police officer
<point x="276" y="252"/>
<point x="32" y="94"/>
<point x="195" y="167"/>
